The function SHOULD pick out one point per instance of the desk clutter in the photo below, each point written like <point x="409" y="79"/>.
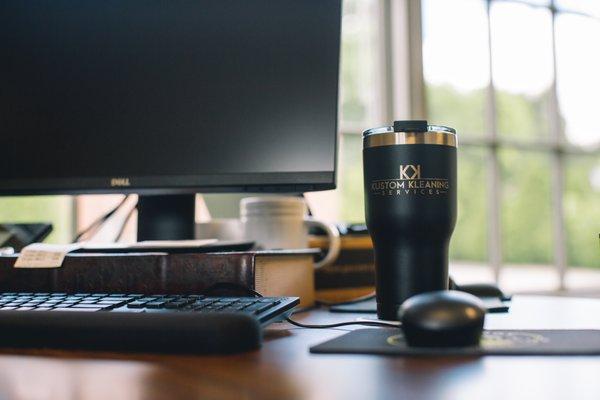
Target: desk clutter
<point x="270" y="272"/>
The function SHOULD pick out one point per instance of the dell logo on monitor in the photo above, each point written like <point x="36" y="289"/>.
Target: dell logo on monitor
<point x="118" y="182"/>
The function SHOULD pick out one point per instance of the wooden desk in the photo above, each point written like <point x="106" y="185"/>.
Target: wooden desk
<point x="284" y="369"/>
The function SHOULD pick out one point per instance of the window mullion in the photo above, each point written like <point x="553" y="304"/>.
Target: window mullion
<point x="406" y="61"/>
<point x="494" y="176"/>
<point x="557" y="170"/>
<point x="387" y="63"/>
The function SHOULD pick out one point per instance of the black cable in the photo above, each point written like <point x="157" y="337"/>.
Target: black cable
<point x="336" y="325"/>
<point x="235" y="286"/>
<point x="98" y="222"/>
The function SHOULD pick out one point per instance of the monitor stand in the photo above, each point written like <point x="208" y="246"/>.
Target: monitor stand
<point x="166" y="217"/>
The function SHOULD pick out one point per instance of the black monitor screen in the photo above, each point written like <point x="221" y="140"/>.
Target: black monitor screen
<point x="98" y="95"/>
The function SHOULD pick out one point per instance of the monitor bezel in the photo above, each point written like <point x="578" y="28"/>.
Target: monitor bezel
<point x="181" y="184"/>
<point x="271" y="182"/>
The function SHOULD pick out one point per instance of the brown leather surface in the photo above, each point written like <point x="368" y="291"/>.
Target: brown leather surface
<point x="147" y="273"/>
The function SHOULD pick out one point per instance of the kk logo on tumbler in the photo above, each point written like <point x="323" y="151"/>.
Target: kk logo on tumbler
<point x="414" y="169"/>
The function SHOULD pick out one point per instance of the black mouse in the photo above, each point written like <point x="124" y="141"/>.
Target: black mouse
<point x="446" y="318"/>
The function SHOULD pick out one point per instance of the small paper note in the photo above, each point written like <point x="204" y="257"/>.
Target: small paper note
<point x="43" y="255"/>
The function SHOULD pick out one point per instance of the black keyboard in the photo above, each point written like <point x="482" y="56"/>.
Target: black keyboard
<point x="137" y="322"/>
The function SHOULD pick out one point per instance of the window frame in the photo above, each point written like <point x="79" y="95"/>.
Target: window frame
<point x="403" y="97"/>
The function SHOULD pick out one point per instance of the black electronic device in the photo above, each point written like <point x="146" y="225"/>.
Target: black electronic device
<point x="445" y="318"/>
<point x="168" y="98"/>
<point x="484" y="290"/>
<point x="18" y="236"/>
<point x="135" y="322"/>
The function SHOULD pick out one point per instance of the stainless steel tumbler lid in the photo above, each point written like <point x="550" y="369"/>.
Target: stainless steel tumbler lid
<point x="410" y="132"/>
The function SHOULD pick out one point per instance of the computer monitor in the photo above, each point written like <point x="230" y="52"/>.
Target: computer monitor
<point x="168" y="98"/>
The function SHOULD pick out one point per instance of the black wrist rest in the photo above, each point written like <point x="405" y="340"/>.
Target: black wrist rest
<point x="197" y="333"/>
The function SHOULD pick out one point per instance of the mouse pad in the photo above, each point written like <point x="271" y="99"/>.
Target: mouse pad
<point x="492" y="304"/>
<point x="389" y="341"/>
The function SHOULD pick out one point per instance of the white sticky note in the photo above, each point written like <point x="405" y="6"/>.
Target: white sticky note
<point x="43" y="255"/>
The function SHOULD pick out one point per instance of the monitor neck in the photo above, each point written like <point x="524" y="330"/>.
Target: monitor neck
<point x="166" y="217"/>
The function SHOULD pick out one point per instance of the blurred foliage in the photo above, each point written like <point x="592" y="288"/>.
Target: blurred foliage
<point x="469" y="240"/>
<point x="351" y="106"/>
<point x="526" y="211"/>
<point x="582" y="210"/>
<point x="521" y="117"/>
<point x="352" y="205"/>
<point x="464" y="111"/>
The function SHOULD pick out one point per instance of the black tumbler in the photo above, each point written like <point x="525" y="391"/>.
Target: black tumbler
<point x="410" y="208"/>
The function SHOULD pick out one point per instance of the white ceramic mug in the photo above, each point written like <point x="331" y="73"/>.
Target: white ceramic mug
<point x="228" y="229"/>
<point x="279" y="222"/>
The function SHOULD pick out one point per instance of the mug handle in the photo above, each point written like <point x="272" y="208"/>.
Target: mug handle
<point x="334" y="241"/>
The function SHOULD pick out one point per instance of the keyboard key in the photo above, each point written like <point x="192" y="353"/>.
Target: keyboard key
<point x="220" y="304"/>
<point x="78" y="306"/>
<point x="109" y="305"/>
<point x="150" y="298"/>
<point x="136" y="304"/>
<point x="117" y="299"/>
<point x="42" y="309"/>
<point x="77" y="309"/>
<point x="247" y="300"/>
<point x="155" y="304"/>
<point x="266" y="300"/>
<point x="47" y="305"/>
<point x="254" y="308"/>
<point x="171" y="298"/>
<point x="24" y="308"/>
<point x="176" y="304"/>
<point x="7" y="308"/>
<point x="265" y="307"/>
<point x="204" y="302"/>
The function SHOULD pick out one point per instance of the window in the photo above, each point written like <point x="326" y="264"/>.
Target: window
<point x="517" y="82"/>
<point x="58" y="210"/>
<point x="513" y="80"/>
